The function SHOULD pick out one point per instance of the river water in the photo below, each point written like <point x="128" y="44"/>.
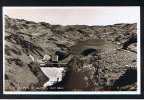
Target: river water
<point x="81" y="45"/>
<point x="54" y="74"/>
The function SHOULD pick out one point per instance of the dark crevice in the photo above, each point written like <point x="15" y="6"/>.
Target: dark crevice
<point x="128" y="78"/>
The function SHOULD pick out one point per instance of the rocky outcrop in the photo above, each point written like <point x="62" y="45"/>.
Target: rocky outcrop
<point x="94" y="55"/>
<point x="132" y="39"/>
<point x="128" y="78"/>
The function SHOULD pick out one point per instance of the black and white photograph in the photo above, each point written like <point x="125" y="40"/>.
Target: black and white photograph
<point x="71" y="50"/>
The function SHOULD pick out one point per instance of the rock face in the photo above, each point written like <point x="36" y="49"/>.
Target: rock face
<point x="94" y="55"/>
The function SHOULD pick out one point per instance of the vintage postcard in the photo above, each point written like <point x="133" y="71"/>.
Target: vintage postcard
<point x="71" y="50"/>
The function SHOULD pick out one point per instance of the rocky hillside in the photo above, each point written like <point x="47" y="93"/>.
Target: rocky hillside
<point x="97" y="57"/>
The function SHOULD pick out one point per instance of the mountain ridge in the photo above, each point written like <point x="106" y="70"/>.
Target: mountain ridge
<point x="24" y="38"/>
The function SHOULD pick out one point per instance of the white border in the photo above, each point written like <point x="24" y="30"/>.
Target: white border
<point x="77" y="92"/>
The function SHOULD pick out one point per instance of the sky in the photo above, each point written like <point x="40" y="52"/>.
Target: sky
<point x="76" y="15"/>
